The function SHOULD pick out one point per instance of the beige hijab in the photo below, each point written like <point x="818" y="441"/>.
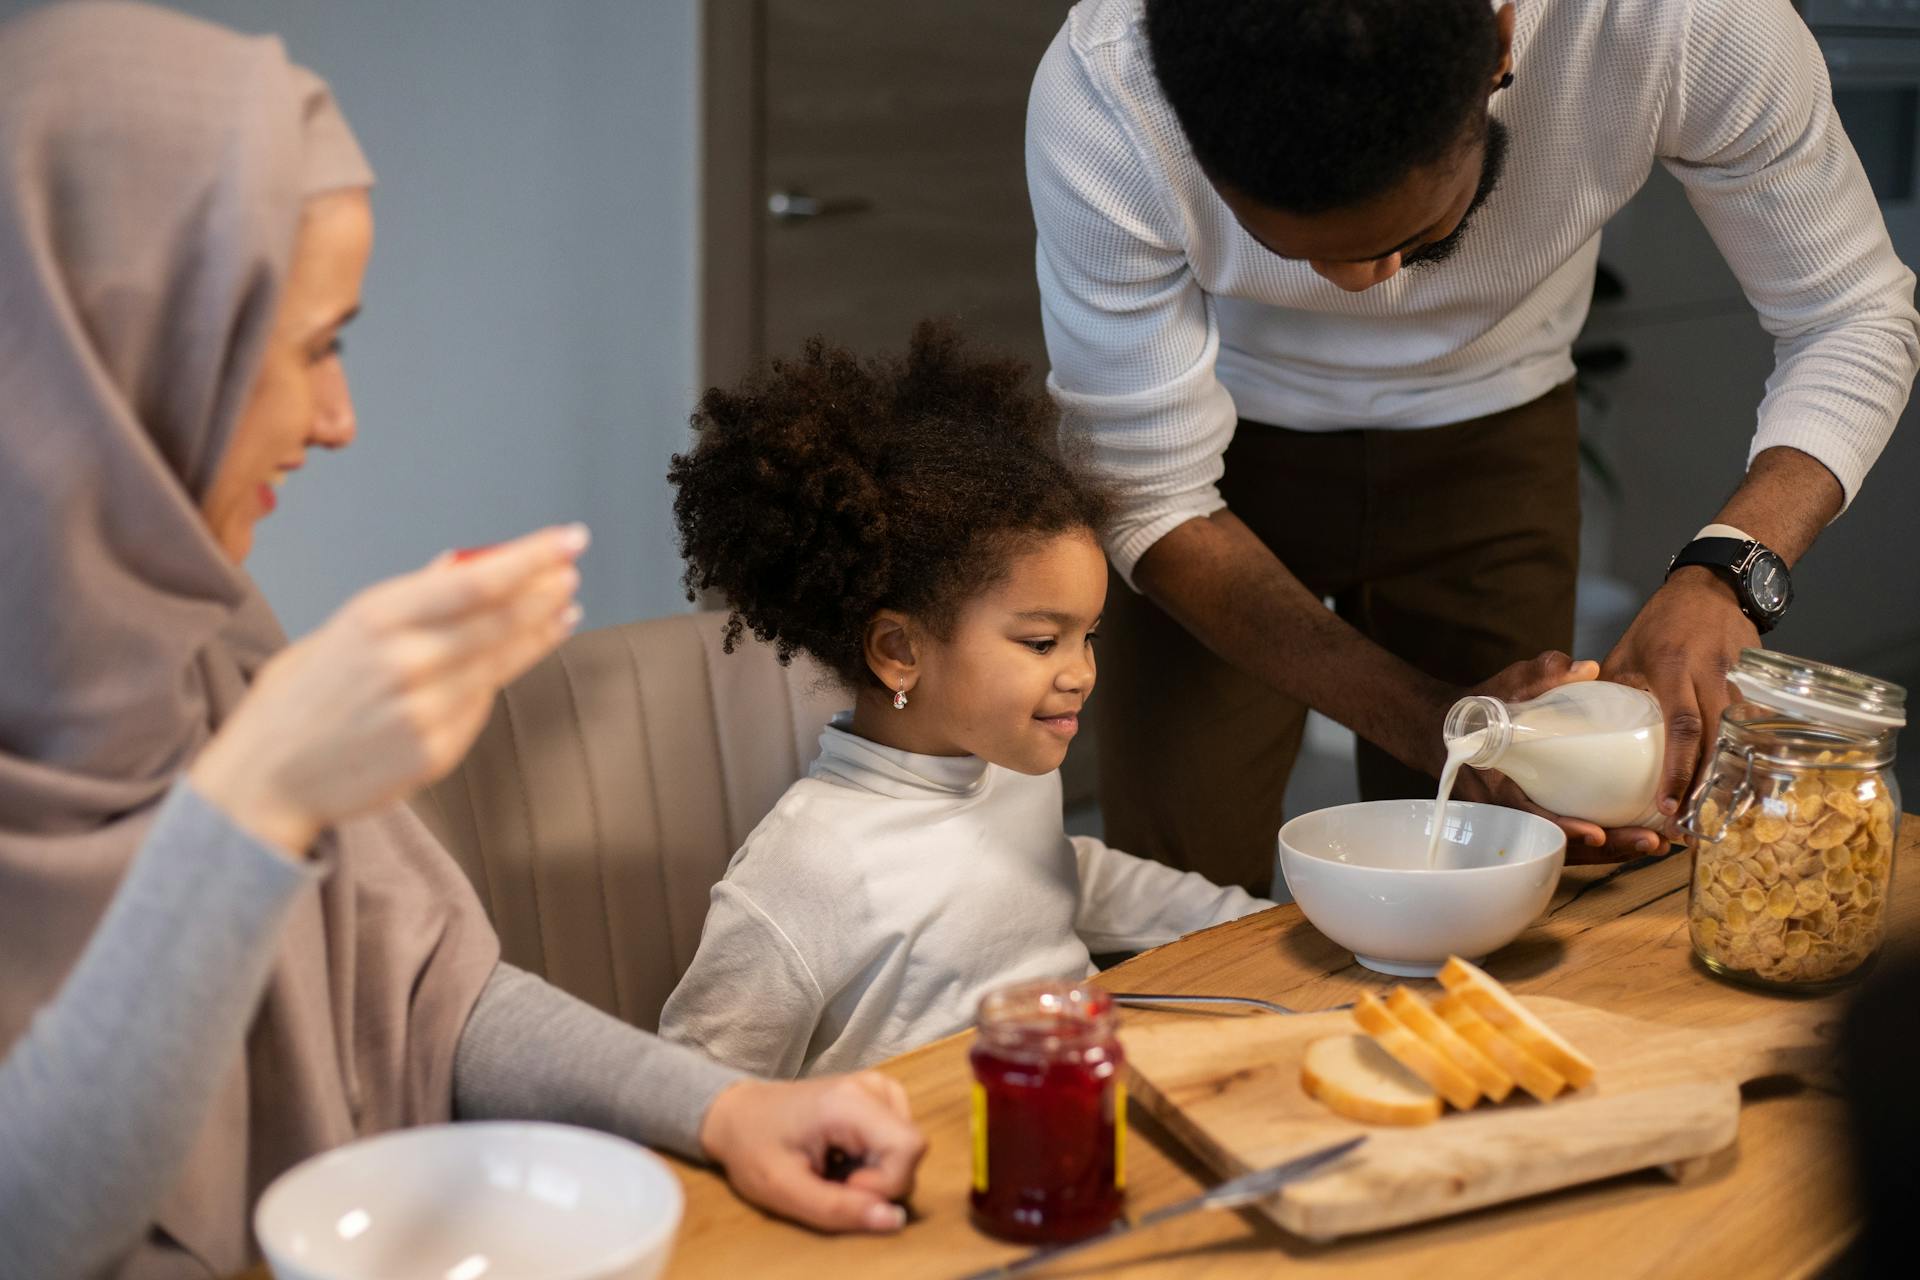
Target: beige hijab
<point x="152" y="173"/>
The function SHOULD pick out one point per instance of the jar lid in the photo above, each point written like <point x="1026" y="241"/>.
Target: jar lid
<point x="1819" y="692"/>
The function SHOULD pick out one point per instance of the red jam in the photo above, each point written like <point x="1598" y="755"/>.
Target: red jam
<point x="1049" y="1113"/>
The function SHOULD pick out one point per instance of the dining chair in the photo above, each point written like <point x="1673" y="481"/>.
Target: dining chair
<point x="609" y="789"/>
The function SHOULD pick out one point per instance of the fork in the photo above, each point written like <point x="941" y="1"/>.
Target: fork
<point x="1143" y="999"/>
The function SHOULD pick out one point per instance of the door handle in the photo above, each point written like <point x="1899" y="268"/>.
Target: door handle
<point x="796" y="206"/>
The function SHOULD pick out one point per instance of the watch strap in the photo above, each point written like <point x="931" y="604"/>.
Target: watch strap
<point x="1729" y="557"/>
<point x="1713" y="553"/>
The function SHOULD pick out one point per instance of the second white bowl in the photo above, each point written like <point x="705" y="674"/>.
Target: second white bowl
<point x="1360" y="875"/>
<point x="474" y="1202"/>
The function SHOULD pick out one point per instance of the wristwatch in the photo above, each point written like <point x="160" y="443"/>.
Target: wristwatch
<point x="1760" y="579"/>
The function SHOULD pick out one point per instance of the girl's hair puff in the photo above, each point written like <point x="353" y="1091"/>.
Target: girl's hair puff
<point x="826" y="488"/>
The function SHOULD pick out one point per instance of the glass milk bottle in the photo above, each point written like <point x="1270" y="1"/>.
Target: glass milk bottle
<point x="1591" y="750"/>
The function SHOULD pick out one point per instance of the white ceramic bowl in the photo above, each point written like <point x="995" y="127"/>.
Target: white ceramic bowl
<point x="1359" y="873"/>
<point x="473" y="1202"/>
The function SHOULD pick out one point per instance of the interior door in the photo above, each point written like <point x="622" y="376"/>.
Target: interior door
<point x="895" y="180"/>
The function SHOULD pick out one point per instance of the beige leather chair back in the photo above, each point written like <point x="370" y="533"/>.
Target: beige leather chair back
<point x="608" y="791"/>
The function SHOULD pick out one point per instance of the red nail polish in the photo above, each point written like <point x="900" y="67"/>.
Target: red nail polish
<point x="468" y="553"/>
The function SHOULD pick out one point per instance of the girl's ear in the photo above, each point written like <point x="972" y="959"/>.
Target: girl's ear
<point x="1503" y="21"/>
<point x="891" y="650"/>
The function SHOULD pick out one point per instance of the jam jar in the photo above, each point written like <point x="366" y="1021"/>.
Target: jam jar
<point x="1793" y="823"/>
<point x="1049" y="1121"/>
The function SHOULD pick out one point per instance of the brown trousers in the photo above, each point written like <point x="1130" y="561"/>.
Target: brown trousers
<point x="1454" y="548"/>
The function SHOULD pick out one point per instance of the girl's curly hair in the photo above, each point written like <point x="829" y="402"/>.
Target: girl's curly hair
<point x="826" y="488"/>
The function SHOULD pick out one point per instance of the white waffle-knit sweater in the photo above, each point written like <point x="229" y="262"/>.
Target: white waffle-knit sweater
<point x="888" y="891"/>
<point x="1165" y="320"/>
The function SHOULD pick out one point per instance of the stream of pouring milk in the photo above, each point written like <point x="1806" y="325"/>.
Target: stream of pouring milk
<point x="1459" y="751"/>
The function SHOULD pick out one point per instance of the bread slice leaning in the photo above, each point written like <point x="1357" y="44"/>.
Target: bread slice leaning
<point x="1494" y="1003"/>
<point x="1533" y="1075"/>
<point x="1418" y="1017"/>
<point x="1358" y="1079"/>
<point x="1419" y="1057"/>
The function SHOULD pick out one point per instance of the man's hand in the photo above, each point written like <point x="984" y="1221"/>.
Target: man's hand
<point x="774" y="1139"/>
<point x="1680" y="648"/>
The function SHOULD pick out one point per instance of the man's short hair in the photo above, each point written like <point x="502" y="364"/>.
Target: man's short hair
<point x="1312" y="105"/>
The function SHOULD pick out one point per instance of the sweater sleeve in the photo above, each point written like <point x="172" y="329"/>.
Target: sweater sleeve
<point x="532" y="1052"/>
<point x="748" y="999"/>
<point x="102" y="1097"/>
<point x="1129" y="903"/>
<point x="1131" y="335"/>
<point x="1751" y="131"/>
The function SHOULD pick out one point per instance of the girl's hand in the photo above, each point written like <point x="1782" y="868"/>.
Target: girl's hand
<point x="777" y="1141"/>
<point x="389" y="693"/>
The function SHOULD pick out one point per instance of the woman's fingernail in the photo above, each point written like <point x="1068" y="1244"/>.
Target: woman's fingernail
<point x="575" y="537"/>
<point x="1596" y="841"/>
<point x="1648" y="844"/>
<point x="886" y="1217"/>
<point x="1670" y="806"/>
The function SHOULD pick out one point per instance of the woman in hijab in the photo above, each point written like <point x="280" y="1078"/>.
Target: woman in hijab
<point x="224" y="946"/>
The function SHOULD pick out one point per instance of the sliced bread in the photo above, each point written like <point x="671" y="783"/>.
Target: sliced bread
<point x="1419" y="1057"/>
<point x="1358" y="1079"/>
<point x="1496" y="1004"/>
<point x="1419" y="1018"/>
<point x="1533" y="1075"/>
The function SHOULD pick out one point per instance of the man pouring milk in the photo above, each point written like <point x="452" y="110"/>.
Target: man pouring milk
<point x="1310" y="275"/>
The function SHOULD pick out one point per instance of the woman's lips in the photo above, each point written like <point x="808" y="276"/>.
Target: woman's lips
<point x="1066" y="726"/>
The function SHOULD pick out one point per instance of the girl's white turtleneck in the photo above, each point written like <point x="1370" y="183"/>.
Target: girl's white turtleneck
<point x="887" y="892"/>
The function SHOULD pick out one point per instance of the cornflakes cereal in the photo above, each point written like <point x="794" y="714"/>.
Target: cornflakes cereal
<point x="1794" y="888"/>
<point x="1834" y="829"/>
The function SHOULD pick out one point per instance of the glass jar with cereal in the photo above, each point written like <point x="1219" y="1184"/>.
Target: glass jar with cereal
<point x="1793" y="825"/>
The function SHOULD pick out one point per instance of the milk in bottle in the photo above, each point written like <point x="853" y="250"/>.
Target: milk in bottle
<point x="1589" y="750"/>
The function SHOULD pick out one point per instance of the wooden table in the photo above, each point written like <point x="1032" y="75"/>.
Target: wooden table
<point x="1614" y="937"/>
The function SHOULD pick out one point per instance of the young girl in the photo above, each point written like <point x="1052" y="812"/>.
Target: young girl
<point x="907" y="523"/>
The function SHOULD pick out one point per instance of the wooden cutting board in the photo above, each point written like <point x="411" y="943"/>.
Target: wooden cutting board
<point x="1666" y="1097"/>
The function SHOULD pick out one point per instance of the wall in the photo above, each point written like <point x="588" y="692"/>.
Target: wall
<point x="1676" y="418"/>
<point x="527" y="351"/>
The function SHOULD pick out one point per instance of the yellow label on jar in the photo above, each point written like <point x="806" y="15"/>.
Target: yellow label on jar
<point x="977" y="1123"/>
<point x="1120" y="1134"/>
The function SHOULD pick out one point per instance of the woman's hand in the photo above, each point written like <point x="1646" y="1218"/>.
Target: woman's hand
<point x="773" y="1139"/>
<point x="389" y="693"/>
<point x="1586" y="841"/>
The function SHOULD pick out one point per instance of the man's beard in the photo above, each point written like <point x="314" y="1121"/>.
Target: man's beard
<point x="1491" y="167"/>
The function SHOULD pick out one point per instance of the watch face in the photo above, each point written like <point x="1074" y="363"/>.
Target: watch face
<point x="1769" y="585"/>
